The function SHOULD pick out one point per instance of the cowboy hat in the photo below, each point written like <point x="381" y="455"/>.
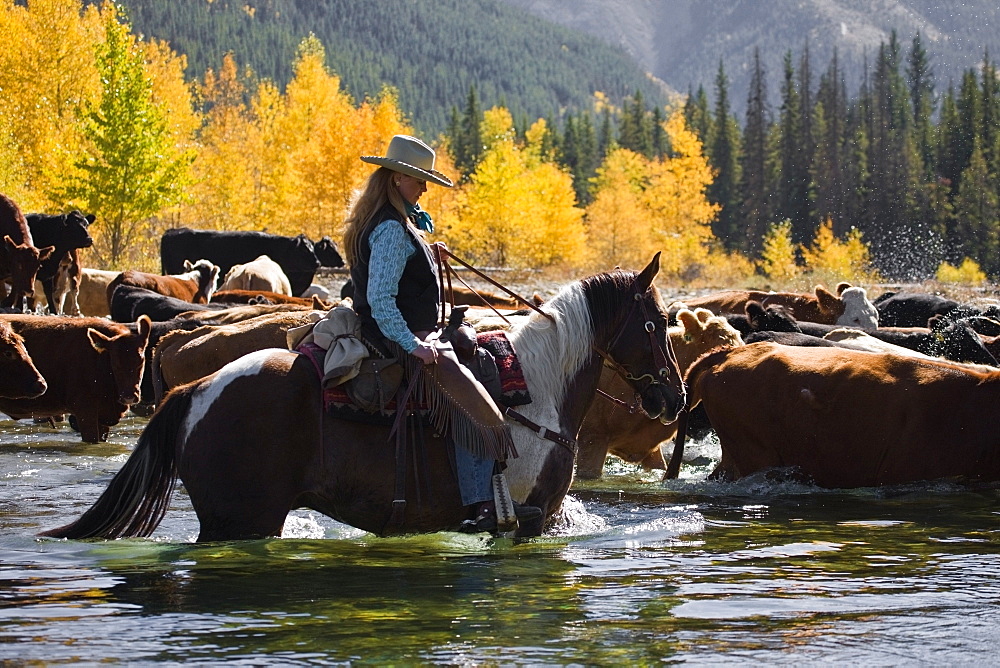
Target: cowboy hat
<point x="410" y="156"/>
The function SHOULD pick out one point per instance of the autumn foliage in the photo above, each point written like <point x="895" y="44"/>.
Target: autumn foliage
<point x="114" y="128"/>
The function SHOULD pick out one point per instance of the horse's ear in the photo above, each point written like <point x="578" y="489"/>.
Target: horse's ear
<point x="645" y="278"/>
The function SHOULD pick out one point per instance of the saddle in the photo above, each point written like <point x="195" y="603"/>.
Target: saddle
<point x="371" y="397"/>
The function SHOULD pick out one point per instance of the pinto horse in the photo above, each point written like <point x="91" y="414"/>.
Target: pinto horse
<point x="251" y="441"/>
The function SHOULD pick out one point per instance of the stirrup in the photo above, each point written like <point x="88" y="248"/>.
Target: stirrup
<point x="506" y="517"/>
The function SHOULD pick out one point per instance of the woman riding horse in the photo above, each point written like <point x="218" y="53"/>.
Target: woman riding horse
<point x="398" y="301"/>
<point x="252" y="441"/>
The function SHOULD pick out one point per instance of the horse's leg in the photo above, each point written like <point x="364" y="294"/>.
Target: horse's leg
<point x="253" y="437"/>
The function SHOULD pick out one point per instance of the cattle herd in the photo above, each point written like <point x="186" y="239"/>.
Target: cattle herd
<point x="840" y="389"/>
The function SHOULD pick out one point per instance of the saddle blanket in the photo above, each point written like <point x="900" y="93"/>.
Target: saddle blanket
<point x="514" y="389"/>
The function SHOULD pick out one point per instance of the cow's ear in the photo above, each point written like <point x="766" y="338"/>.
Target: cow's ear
<point x="8" y="241"/>
<point x="843" y="285"/>
<point x="645" y="278"/>
<point x="46" y="253"/>
<point x="827" y="300"/>
<point x="188" y="266"/>
<point x="318" y="304"/>
<point x="703" y="314"/>
<point x="90" y="218"/>
<point x="691" y="321"/>
<point x="98" y="340"/>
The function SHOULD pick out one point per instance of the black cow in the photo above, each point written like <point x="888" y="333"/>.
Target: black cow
<point x="67" y="232"/>
<point x="910" y="309"/>
<point x="773" y="318"/>
<point x="295" y="255"/>
<point x="327" y="253"/>
<point x="129" y="299"/>
<point x="799" y="339"/>
<point x="952" y="340"/>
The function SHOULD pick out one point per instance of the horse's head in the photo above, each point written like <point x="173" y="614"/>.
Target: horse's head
<point x="630" y="332"/>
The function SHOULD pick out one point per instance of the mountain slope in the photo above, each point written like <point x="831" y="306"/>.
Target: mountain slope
<point x="432" y="51"/>
<point x="683" y="41"/>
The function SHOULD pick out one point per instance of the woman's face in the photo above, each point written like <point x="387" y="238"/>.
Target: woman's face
<point x="411" y="188"/>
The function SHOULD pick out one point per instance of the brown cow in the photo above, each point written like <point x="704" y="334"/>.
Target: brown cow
<point x="610" y="427"/>
<point x="19" y="378"/>
<point x="846" y="418"/>
<point x="181" y="357"/>
<point x="227" y="316"/>
<point x="196" y="285"/>
<point x="848" y="307"/>
<point x="254" y="297"/>
<point x="19" y="259"/>
<point x="92" y="366"/>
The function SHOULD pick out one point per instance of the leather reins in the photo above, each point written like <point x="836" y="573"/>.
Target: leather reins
<point x="664" y="357"/>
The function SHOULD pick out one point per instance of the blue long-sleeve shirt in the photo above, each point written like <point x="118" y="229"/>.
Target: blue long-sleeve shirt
<point x="391" y="247"/>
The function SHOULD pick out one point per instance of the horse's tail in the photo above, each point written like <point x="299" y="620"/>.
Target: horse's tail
<point x="156" y="376"/>
<point x="139" y="494"/>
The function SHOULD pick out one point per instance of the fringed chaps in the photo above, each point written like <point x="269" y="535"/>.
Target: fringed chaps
<point x="458" y="404"/>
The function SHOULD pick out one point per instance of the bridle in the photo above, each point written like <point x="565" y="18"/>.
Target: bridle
<point x="664" y="358"/>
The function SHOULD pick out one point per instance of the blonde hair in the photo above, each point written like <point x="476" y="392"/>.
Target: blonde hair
<point x="377" y="191"/>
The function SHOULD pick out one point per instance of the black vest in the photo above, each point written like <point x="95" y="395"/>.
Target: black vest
<point x="418" y="297"/>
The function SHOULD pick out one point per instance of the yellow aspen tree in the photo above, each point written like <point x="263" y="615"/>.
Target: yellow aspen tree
<point x="679" y="210"/>
<point x="327" y="133"/>
<point x="617" y="220"/>
<point x="516" y="210"/>
<point x="47" y="72"/>
<point x="221" y="196"/>
<point x="967" y="273"/>
<point x="777" y="258"/>
<point x="270" y="166"/>
<point x="833" y="260"/>
<point x="171" y="93"/>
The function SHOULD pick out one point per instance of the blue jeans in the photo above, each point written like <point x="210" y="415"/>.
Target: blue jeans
<point x="475" y="476"/>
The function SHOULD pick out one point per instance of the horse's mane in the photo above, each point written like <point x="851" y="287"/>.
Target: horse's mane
<point x="585" y="311"/>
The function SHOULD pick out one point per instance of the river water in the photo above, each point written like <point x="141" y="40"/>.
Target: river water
<point x="636" y="572"/>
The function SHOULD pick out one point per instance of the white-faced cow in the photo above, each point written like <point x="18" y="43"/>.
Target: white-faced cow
<point x="196" y="285"/>
<point x="849" y="307"/>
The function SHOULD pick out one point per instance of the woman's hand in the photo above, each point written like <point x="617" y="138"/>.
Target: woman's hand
<point x="426" y="352"/>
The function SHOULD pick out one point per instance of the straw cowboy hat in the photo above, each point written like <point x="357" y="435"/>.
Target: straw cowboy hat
<point x="410" y="156"/>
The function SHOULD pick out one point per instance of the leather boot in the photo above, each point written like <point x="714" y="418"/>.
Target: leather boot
<point x="486" y="517"/>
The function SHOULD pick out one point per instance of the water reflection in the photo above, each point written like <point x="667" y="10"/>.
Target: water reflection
<point x="636" y="571"/>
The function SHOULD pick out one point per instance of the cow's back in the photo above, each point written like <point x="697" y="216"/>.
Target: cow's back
<point x="295" y="255"/>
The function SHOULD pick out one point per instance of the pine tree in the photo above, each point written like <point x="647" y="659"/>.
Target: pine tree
<point x="920" y="77"/>
<point x="725" y="156"/>
<point x="794" y="180"/>
<point x="976" y="233"/>
<point x="698" y="116"/>
<point x="830" y="190"/>
<point x="754" y="185"/>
